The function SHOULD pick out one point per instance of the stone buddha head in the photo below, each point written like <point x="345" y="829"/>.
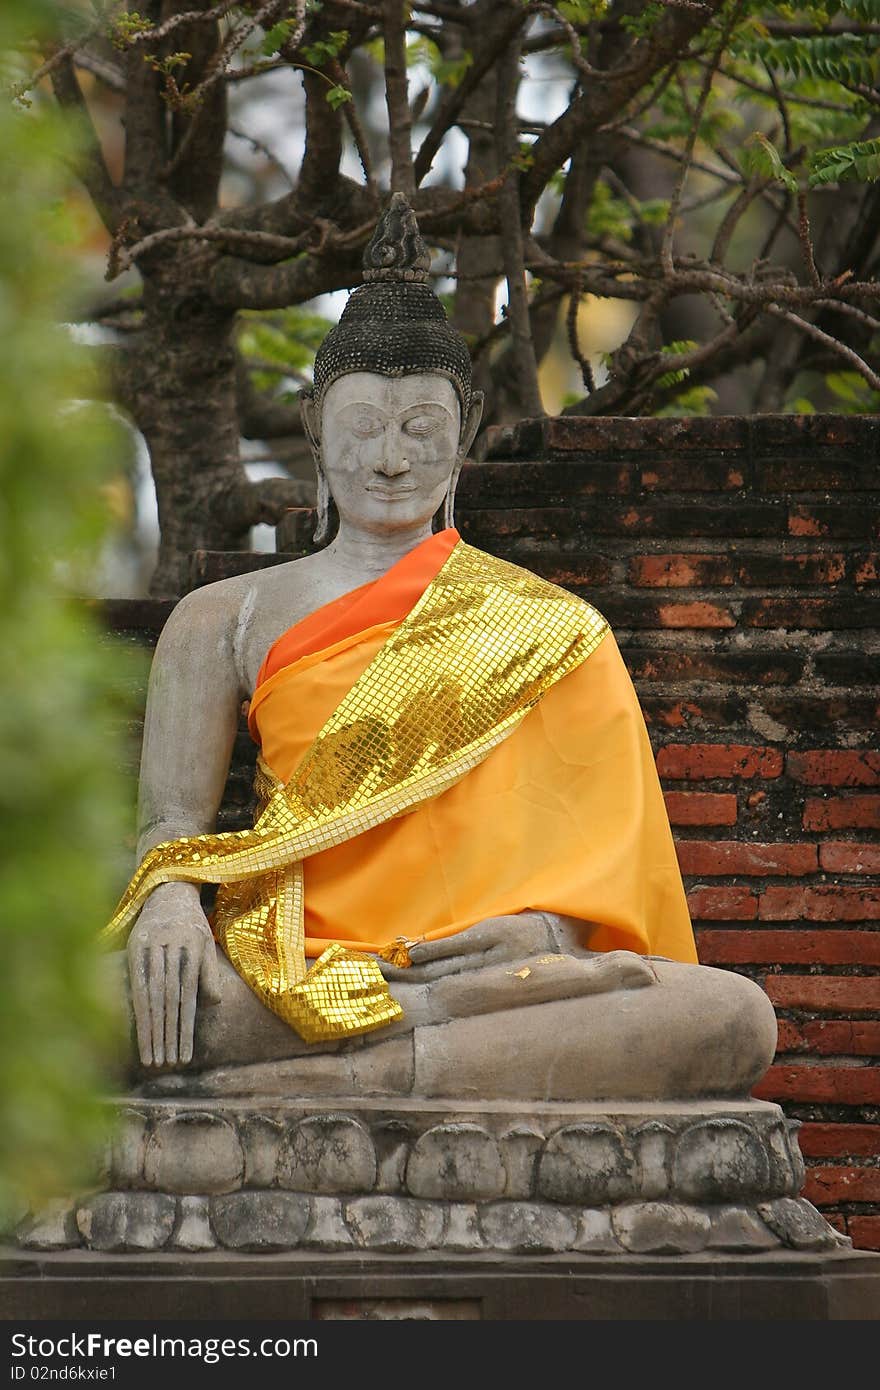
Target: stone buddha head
<point x="392" y="413"/>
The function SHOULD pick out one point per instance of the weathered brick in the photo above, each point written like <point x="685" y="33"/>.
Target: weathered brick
<point x="748" y="569"/>
<point x="679" y="571"/>
<point x="828" y="1186"/>
<point x="866" y="568"/>
<point x="700" y="760"/>
<point x="579" y="572"/>
<point x="819" y="1140"/>
<point x="550" y="484"/>
<point x="792" y="947"/>
<point x="805" y="436"/>
<point x="701" y="808"/>
<point x="820" y="713"/>
<point x="841" y="522"/>
<point x="699" y="614"/>
<point x="595" y="435"/>
<point x="708" y="712"/>
<point x="856" y="667"/>
<point x="722" y="904"/>
<point x="820" y="904"/>
<point x="810" y="613"/>
<point x="845" y="857"/>
<point x="835" y="767"/>
<point x="680" y="475"/>
<point x="807" y="473"/>
<point x="627" y="610"/>
<point x="830" y="1037"/>
<point x="819" y="1084"/>
<point x="745" y="857"/>
<point x="825" y="993"/>
<point x="749" y="668"/>
<point x="842" y="813"/>
<point x="588" y="517"/>
<point x="864" y="1231"/>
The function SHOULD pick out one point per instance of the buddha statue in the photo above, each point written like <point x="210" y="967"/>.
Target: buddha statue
<point x="461" y="880"/>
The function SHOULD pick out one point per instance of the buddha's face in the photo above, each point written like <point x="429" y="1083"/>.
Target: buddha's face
<point x="389" y="446"/>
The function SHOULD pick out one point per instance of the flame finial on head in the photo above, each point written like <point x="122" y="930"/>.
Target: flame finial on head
<point x="396" y="250"/>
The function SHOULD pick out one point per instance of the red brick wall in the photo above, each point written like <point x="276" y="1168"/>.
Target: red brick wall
<point x="737" y="561"/>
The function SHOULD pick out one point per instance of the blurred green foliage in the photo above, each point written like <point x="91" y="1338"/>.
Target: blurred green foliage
<point x="64" y="804"/>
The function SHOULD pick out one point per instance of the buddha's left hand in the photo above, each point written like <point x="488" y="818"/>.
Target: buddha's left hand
<point x="491" y="942"/>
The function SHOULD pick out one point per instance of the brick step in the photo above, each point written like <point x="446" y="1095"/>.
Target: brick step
<point x="828" y="1186"/>
<point x="839" y="1085"/>
<point x="825" y="993"/>
<point x="794" y="947"/>
<point x="837" y="1141"/>
<point x="584" y="519"/>
<point x="751" y="569"/>
<point x="800" y="716"/>
<point x="830" y="1037"/>
<point x="768" y="440"/>
<point x="823" y="903"/>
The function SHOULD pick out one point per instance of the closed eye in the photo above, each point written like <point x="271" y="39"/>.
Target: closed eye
<point x="420" y="426"/>
<point x="366" y="426"/>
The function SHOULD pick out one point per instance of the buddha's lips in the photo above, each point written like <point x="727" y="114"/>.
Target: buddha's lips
<point x="392" y="493"/>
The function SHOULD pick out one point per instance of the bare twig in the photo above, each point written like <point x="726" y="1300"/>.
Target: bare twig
<point x="358" y="134"/>
<point x="571" y="323"/>
<point x="156" y="33"/>
<point x="260" y="148"/>
<point x="833" y="344"/>
<point x="217" y="69"/>
<point x="455" y="98"/>
<point x="287" y="246"/>
<point x="840" y="307"/>
<point x="806" y="240"/>
<point x="666" y="242"/>
<point x="646" y="142"/>
<point x="740" y="205"/>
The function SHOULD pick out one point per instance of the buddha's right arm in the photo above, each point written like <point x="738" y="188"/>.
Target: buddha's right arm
<point x="191" y="720"/>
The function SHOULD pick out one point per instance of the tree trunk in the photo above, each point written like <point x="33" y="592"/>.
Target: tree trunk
<point x="183" y="397"/>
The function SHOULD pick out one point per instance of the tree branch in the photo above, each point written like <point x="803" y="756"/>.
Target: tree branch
<point x="90" y="167"/>
<point x="397" y="99"/>
<point x="525" y="364"/>
<point x="259" y="415"/>
<point x="667" y="239"/>
<point x="599" y="101"/>
<point x="833" y="344"/>
<point x="453" y="100"/>
<point x="145" y="113"/>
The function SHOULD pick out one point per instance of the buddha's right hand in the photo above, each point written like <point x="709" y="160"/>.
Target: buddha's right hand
<point x="172" y="961"/>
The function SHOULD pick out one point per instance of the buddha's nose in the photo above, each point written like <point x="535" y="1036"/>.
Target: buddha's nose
<point x="392" y="462"/>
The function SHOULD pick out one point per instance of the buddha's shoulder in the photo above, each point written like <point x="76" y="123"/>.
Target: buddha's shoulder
<point x="222" y="608"/>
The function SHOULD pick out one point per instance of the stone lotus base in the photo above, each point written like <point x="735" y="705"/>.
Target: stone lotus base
<point x="365" y="1177"/>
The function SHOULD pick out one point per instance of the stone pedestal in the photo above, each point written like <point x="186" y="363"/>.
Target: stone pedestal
<point x="382" y="1209"/>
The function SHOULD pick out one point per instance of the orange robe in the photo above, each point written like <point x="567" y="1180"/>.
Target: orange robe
<point x="565" y="815"/>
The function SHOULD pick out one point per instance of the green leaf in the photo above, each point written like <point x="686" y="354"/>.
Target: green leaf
<point x="609" y="216"/>
<point x="858" y="162"/>
<point x="760" y="157"/>
<point x="325" y="50"/>
<point x="337" y="96"/>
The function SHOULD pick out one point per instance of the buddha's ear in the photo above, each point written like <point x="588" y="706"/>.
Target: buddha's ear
<point x="471" y="423"/>
<point x="310" y="414"/>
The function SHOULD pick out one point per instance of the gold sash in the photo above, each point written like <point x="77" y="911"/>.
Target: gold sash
<point x="475" y="654"/>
